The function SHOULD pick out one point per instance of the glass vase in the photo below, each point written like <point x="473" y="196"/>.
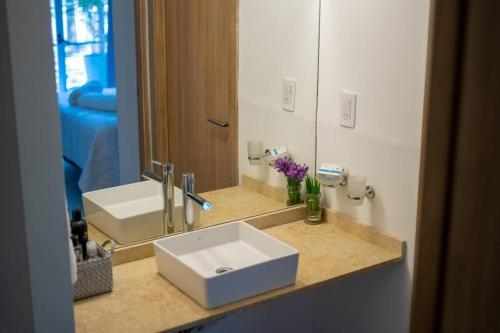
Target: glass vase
<point x="313" y="208"/>
<point x="294" y="195"/>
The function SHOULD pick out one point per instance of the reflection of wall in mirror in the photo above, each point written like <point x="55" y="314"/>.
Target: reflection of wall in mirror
<point x="277" y="39"/>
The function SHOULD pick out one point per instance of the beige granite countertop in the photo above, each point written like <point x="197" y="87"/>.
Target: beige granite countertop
<point x="237" y="202"/>
<point x="143" y="301"/>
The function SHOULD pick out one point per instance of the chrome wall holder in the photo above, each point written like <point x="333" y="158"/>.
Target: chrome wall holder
<point x="358" y="190"/>
<point x="369" y="193"/>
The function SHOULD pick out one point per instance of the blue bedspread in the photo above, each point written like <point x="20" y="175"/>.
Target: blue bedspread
<point x="90" y="140"/>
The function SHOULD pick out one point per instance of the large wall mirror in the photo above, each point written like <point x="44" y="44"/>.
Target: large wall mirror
<point x="225" y="87"/>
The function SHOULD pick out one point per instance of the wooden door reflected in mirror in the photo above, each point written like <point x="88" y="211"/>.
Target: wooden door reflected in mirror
<point x="188" y="88"/>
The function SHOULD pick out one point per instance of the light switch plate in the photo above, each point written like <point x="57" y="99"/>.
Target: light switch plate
<point x="347" y="109"/>
<point x="288" y="96"/>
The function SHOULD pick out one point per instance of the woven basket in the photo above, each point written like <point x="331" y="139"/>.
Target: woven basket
<point x="95" y="276"/>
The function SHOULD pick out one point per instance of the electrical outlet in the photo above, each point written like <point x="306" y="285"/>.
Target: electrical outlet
<point x="347" y="109"/>
<point x="288" y="96"/>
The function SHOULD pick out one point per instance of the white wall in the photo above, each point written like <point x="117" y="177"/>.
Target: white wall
<point x="277" y="39"/>
<point x="377" y="49"/>
<point x="126" y="87"/>
<point x="35" y="284"/>
<point x="290" y="314"/>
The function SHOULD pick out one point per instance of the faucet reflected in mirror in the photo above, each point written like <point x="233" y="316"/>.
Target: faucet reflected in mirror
<point x="167" y="183"/>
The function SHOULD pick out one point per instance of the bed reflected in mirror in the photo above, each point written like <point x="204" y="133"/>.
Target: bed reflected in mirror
<point x="84" y="67"/>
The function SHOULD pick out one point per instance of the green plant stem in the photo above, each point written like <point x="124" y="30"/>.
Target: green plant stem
<point x="312" y="185"/>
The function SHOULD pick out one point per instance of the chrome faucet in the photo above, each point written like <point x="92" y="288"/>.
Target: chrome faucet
<point x="167" y="182"/>
<point x="189" y="197"/>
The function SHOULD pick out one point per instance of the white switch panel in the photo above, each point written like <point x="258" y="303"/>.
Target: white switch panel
<point x="347" y="109"/>
<point x="288" y="96"/>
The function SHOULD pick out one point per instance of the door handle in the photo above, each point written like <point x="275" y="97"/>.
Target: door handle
<point x="218" y="122"/>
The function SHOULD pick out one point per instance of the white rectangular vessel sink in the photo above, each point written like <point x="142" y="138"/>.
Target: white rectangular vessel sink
<point x="132" y="212"/>
<point x="223" y="264"/>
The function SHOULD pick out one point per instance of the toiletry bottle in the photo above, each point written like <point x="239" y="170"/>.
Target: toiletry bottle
<point x="79" y="228"/>
<point x="77" y="248"/>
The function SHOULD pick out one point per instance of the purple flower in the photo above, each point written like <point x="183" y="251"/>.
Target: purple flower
<point x="282" y="164"/>
<point x="291" y="169"/>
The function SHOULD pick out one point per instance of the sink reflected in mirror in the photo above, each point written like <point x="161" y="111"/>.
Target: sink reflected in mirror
<point x="131" y="213"/>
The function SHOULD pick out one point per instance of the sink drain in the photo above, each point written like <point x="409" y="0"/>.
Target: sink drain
<point x="221" y="270"/>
